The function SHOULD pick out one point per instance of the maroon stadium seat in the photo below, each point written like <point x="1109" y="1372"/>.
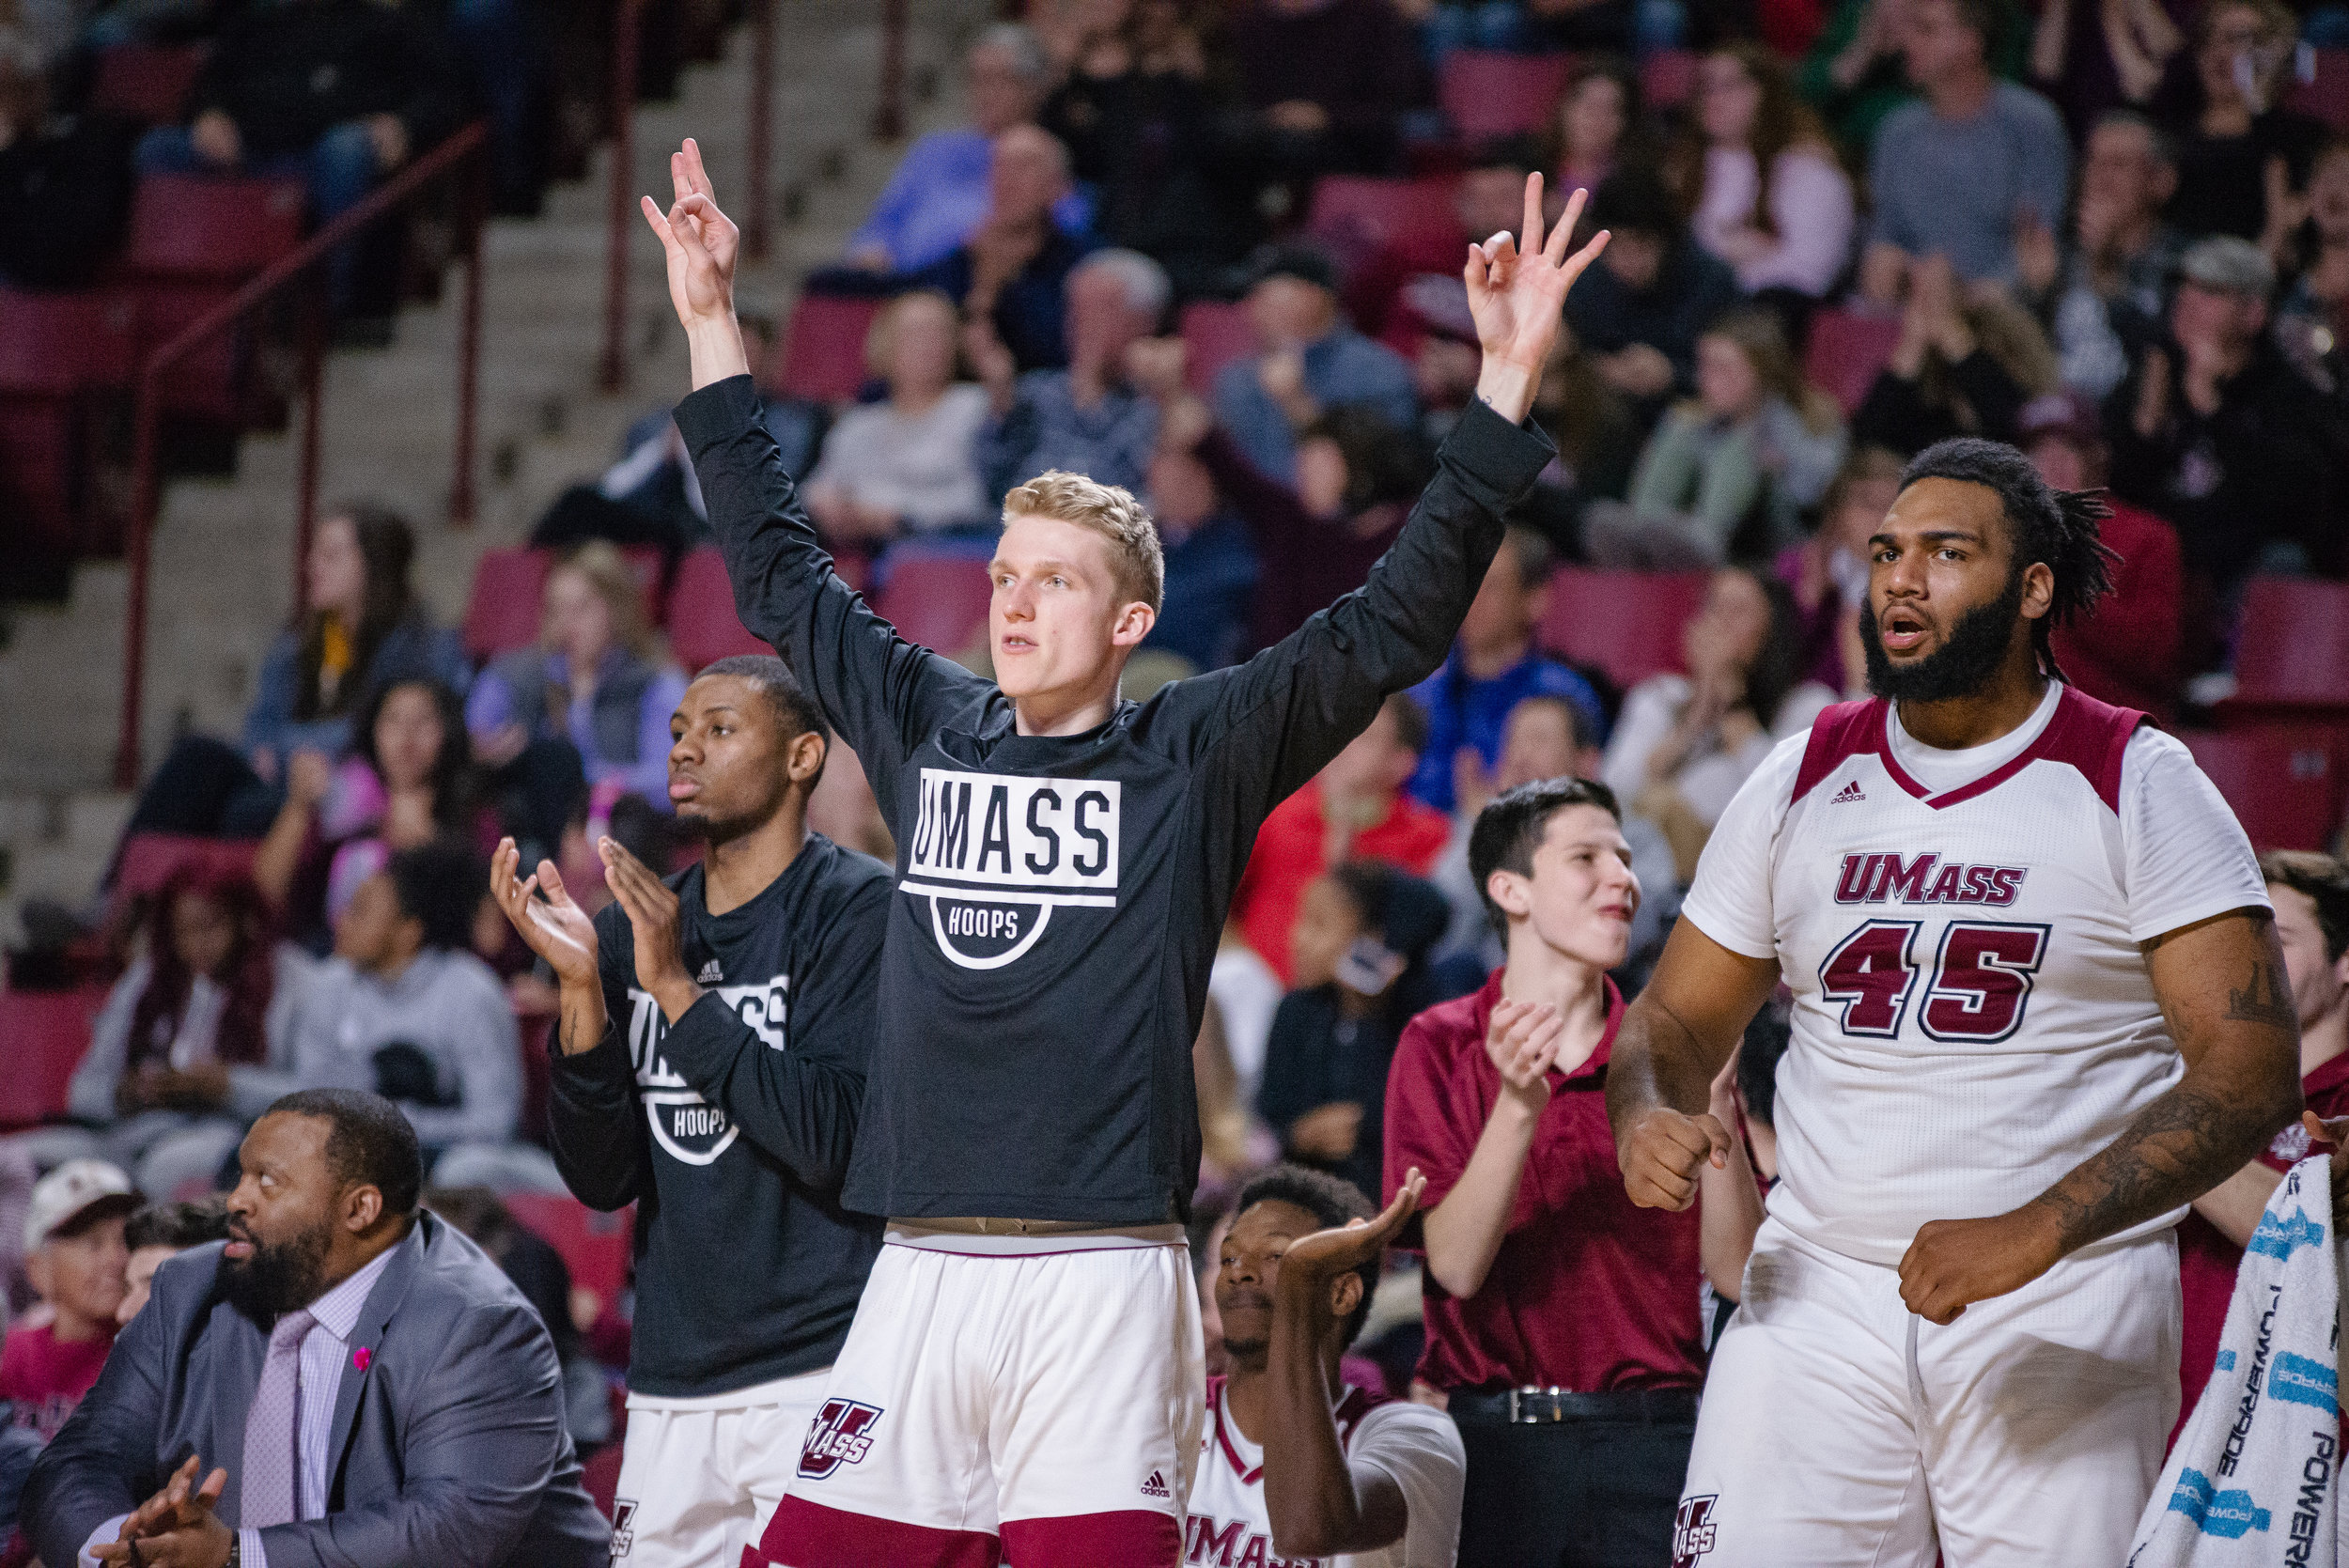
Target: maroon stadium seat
<point x="703" y="627"/>
<point x="2283" y="781"/>
<point x="502" y="610"/>
<point x="2294" y="648"/>
<point x="55" y="352"/>
<point x="1216" y="334"/>
<point x="149" y="83"/>
<point x="936" y="599"/>
<point x="1847" y="350"/>
<point x="823" y="349"/>
<point x="596" y="1245"/>
<point x="45" y="1034"/>
<point x="1626" y="623"/>
<point x="151" y="860"/>
<point x="1667" y="78"/>
<point x="599" y="1473"/>
<point x="194" y="240"/>
<point x="1485" y="93"/>
<point x="2325" y="94"/>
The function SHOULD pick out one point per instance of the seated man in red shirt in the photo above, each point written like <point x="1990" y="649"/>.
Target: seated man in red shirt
<point x="1353" y="810"/>
<point x="74" y="1254"/>
<point x="1562" y="1322"/>
<point x="2311" y="898"/>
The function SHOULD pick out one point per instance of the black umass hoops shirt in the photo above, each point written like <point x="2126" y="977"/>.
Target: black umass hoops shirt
<point x="1058" y="899"/>
<point x="731" y="1131"/>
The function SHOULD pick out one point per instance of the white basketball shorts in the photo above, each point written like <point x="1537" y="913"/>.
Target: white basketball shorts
<point x="700" y="1477"/>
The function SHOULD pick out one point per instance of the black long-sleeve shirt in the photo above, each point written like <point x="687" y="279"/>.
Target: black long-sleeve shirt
<point x="1060" y="896"/>
<point x="730" y="1131"/>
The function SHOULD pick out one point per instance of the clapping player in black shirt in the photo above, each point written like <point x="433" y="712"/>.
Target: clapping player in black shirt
<point x="1024" y="1379"/>
<point x="710" y="1064"/>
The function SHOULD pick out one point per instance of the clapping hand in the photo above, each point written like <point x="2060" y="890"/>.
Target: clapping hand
<point x="1516" y="289"/>
<point x="553" y="927"/>
<point x="1313" y="1260"/>
<point x="1523" y="1040"/>
<point x="653" y="913"/>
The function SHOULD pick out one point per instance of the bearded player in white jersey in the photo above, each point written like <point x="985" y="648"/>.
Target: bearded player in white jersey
<point x="2038" y="1008"/>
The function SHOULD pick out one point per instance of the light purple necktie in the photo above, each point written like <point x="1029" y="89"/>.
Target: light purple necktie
<point x="268" y="1494"/>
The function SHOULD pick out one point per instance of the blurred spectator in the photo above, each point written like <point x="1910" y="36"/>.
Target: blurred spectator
<point x="1490" y="198"/>
<point x="1358" y="972"/>
<point x="1828" y="571"/>
<point x="194" y="1037"/>
<point x="907" y="465"/>
<point x="1322" y="82"/>
<point x="1599" y="117"/>
<point x="1088" y="418"/>
<point x="2242" y="156"/>
<point x="1756" y="446"/>
<point x="155" y="1234"/>
<point x="404" y="1009"/>
<point x="1640" y="309"/>
<point x="842" y="808"/>
<point x="1964" y="365"/>
<point x="2126" y="650"/>
<point x="1493" y="666"/>
<point x="938" y="197"/>
<point x="1212" y="566"/>
<point x="1563" y="1333"/>
<point x="593" y="692"/>
<point x="336" y="93"/>
<point x="1141" y="125"/>
<point x="2094" y="57"/>
<point x="2217" y="434"/>
<point x="64" y="180"/>
<point x="2104" y="291"/>
<point x="1247" y="992"/>
<point x="1309" y="360"/>
<point x="2309" y="318"/>
<point x="1598" y="432"/>
<point x="1761" y="178"/>
<point x="408" y="781"/>
<point x="1232" y="1141"/>
<point x="1011" y="272"/>
<point x="1961" y="173"/>
<point x="1353" y="810"/>
<point x="74" y="1252"/>
<point x="1853" y="74"/>
<point x="1684" y="743"/>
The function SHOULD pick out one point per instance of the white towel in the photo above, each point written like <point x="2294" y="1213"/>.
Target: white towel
<point x="2254" y="1479"/>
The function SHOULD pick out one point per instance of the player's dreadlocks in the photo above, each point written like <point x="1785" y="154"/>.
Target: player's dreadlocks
<point x="2059" y="527"/>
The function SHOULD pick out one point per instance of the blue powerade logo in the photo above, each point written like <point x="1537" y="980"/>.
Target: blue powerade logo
<point x="2280" y="1240"/>
<point x="2229" y="1514"/>
<point x="2301" y="1381"/>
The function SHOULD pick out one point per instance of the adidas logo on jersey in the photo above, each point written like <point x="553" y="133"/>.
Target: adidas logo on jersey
<point x="1154" y="1486"/>
<point x="711" y="975"/>
<point x="1849" y="793"/>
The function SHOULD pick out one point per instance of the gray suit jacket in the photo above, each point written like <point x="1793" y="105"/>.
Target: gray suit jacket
<point x="450" y="1447"/>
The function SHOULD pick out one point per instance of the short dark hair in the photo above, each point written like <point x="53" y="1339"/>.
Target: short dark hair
<point x="2164" y="145"/>
<point x="1532" y="552"/>
<point x="179" y="1225"/>
<point x="440" y="884"/>
<point x="1509" y="829"/>
<point x="2323" y="880"/>
<point x="1638" y="199"/>
<point x="369" y="1141"/>
<point x="1577" y="721"/>
<point x="1411" y="721"/>
<point x="2057" y="527"/>
<point x="1331" y="1200"/>
<point x="795" y="711"/>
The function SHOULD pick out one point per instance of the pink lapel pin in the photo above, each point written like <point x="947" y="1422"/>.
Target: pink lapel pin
<point x="361" y="1357"/>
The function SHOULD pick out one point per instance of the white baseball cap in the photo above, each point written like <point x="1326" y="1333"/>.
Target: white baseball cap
<point x="64" y="1194"/>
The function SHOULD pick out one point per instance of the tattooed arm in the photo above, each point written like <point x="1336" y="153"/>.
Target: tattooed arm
<point x="2221" y="986"/>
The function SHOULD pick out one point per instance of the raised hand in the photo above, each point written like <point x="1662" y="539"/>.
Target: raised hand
<point x="1661" y="1153"/>
<point x="701" y="245"/>
<point x="653" y="913"/>
<point x="554" y="927"/>
<point x="1326" y="1254"/>
<point x="1522" y="1041"/>
<point x="1516" y="289"/>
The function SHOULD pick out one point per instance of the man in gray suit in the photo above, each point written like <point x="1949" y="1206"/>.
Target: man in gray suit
<point x="373" y="1390"/>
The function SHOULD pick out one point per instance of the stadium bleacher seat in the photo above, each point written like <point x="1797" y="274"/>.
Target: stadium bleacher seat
<point x="151" y="860"/>
<point x="1845" y="352"/>
<point x="45" y="1034"/>
<point x="1624" y="622"/>
<point x="937" y="599"/>
<point x="2325" y="93"/>
<point x="1485" y="93"/>
<point x="1215" y="334"/>
<point x="2293" y="649"/>
<point x="596" y="1245"/>
<point x="195" y="241"/>
<point x="55" y="352"/>
<point x="502" y="607"/>
<point x="145" y="82"/>
<point x="1667" y="79"/>
<point x="823" y="348"/>
<point x="2283" y="782"/>
<point x="703" y="627"/>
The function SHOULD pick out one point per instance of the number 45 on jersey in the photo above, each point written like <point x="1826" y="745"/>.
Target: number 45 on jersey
<point x="1980" y="983"/>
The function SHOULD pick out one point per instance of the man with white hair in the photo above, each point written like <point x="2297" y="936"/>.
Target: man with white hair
<point x="1088" y="418"/>
<point x="938" y="197"/>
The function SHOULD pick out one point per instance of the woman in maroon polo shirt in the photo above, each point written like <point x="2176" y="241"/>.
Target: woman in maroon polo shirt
<point x="1562" y="1324"/>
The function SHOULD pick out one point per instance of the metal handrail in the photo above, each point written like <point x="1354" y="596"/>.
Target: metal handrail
<point x="613" y="374"/>
<point x="468" y="144"/>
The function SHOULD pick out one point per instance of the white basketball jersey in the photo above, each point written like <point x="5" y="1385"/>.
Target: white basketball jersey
<point x="1416" y="1446"/>
<point x="1973" y="1014"/>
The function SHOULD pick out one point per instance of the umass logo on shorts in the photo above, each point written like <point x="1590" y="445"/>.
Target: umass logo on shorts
<point x="995" y="855"/>
<point x="1693" y="1529"/>
<point x="842" y="1434"/>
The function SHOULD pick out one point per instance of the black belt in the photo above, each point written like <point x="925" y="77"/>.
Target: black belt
<point x="1532" y="1407"/>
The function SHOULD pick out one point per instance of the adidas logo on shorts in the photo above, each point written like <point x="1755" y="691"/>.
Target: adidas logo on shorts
<point x="1849" y="793"/>
<point x="1154" y="1486"/>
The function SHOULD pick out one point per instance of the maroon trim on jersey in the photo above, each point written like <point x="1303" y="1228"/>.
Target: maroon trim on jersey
<point x="2082" y="734"/>
<point x="1086" y="1540"/>
<point x="806" y="1534"/>
<point x="1215" y="1386"/>
<point x="1352" y="1405"/>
